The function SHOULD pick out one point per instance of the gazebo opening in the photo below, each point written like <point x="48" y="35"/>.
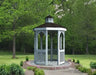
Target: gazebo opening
<point x="49" y="43"/>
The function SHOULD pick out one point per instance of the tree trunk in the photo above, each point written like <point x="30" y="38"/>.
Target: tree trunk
<point x="14" y="49"/>
<point x="73" y="52"/>
<point x="87" y="52"/>
<point x="14" y="38"/>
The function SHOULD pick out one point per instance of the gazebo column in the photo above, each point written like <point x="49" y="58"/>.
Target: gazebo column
<point x="64" y="44"/>
<point x="58" y="48"/>
<point x="51" y="37"/>
<point x="46" y="58"/>
<point x="35" y="45"/>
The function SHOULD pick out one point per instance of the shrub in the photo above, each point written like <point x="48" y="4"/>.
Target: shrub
<point x="34" y="69"/>
<point x="16" y="70"/>
<point x="82" y="69"/>
<point x="73" y="60"/>
<point x="30" y="68"/>
<point x="77" y="66"/>
<point x="3" y="70"/>
<point x="93" y="65"/>
<point x="39" y="72"/>
<point x="89" y="71"/>
<point x="12" y="69"/>
<point x="94" y="73"/>
<point x="21" y="63"/>
<point x="78" y="62"/>
<point x="27" y="58"/>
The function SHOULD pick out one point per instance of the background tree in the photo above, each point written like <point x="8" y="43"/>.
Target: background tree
<point x="20" y="15"/>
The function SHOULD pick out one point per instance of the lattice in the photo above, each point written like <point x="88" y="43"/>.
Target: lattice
<point x="41" y="57"/>
<point x="61" y="56"/>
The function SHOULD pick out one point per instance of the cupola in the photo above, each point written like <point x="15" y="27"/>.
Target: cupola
<point x="49" y="19"/>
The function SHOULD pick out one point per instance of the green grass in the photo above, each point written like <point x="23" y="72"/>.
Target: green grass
<point x="6" y="58"/>
<point x="84" y="59"/>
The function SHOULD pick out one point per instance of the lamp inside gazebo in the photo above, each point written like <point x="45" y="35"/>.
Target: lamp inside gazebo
<point x="49" y="43"/>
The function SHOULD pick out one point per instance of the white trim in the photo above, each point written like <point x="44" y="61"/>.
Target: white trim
<point x="61" y="50"/>
<point x="51" y="28"/>
<point x="62" y="62"/>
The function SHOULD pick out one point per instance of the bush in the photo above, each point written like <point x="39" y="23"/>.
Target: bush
<point x="4" y="70"/>
<point x="39" y="72"/>
<point x="12" y="69"/>
<point x="82" y="69"/>
<point x="16" y="70"/>
<point x="77" y="66"/>
<point x="34" y="69"/>
<point x="94" y="73"/>
<point x="73" y="60"/>
<point x="21" y="63"/>
<point x="93" y="65"/>
<point x="27" y="58"/>
<point x="89" y="71"/>
<point x="30" y="68"/>
<point x="78" y="62"/>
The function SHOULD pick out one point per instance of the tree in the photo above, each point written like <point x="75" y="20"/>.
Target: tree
<point x="20" y="15"/>
<point x="79" y="21"/>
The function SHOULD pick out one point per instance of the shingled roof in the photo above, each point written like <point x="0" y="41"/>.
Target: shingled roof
<point x="49" y="16"/>
<point x="49" y="25"/>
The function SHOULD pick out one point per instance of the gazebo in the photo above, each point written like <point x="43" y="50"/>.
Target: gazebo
<point x="49" y="43"/>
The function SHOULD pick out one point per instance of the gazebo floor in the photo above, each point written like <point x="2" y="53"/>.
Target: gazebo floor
<point x="51" y="66"/>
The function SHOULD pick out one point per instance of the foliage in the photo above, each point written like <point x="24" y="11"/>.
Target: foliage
<point x="93" y="65"/>
<point x="18" y="18"/>
<point x="39" y="72"/>
<point x="4" y="70"/>
<point x="27" y="58"/>
<point x="77" y="66"/>
<point x="34" y="68"/>
<point x="16" y="69"/>
<point x="73" y="60"/>
<point x="21" y="63"/>
<point x="94" y="73"/>
<point x="78" y="62"/>
<point x="82" y="69"/>
<point x="89" y="71"/>
<point x="30" y="68"/>
<point x="11" y="69"/>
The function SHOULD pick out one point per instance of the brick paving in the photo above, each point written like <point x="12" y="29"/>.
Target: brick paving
<point x="29" y="72"/>
<point x="69" y="71"/>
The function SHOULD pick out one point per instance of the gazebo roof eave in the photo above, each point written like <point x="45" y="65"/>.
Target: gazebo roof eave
<point x="50" y="28"/>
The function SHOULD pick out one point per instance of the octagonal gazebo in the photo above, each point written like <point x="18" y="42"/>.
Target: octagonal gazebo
<point x="49" y="43"/>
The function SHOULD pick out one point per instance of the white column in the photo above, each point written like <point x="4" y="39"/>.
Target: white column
<point x="58" y="48"/>
<point x="64" y="44"/>
<point x="46" y="59"/>
<point x="35" y="46"/>
<point x="64" y="41"/>
<point x="51" y="46"/>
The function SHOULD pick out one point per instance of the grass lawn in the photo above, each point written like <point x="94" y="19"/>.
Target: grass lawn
<point x="84" y="59"/>
<point x="6" y="58"/>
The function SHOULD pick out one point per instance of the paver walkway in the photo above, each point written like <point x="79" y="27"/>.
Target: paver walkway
<point x="29" y="72"/>
<point x="70" y="71"/>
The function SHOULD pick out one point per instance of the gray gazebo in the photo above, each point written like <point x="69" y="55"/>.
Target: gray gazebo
<point x="49" y="43"/>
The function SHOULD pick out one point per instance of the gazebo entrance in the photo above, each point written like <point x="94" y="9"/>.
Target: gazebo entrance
<point x="49" y="43"/>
